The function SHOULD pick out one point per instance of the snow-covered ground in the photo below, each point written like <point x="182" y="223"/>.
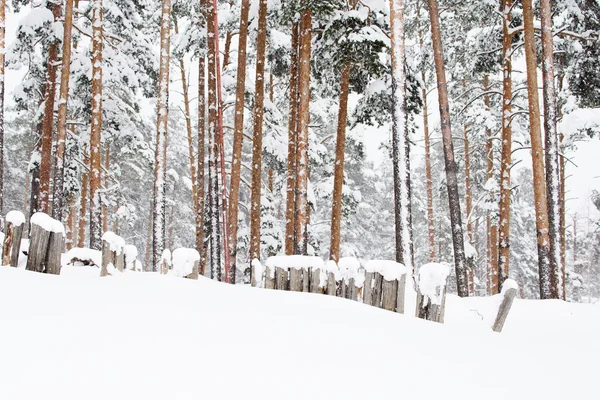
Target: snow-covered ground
<point x="146" y="336"/>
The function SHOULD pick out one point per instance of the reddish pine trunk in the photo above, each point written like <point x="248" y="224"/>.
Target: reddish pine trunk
<point x="302" y="167"/>
<point x="48" y="122"/>
<point x="238" y="135"/>
<point x="200" y="158"/>
<point x="290" y="207"/>
<point x="537" y="155"/>
<point x="468" y="202"/>
<point x="338" y="167"/>
<point x="96" y="129"/>
<point x="85" y="185"/>
<point x="491" y="219"/>
<point x="61" y="132"/>
<point x="451" y="169"/>
<point x="259" y="101"/>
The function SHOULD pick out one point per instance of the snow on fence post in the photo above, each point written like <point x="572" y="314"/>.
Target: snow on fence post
<point x="269" y="277"/>
<point x="431" y="294"/>
<point x="44" y="232"/>
<point x="385" y="284"/>
<point x="165" y="262"/>
<point x="509" y="292"/>
<point x="15" y="221"/>
<point x="332" y="271"/>
<point x="113" y="254"/>
<point x="186" y="263"/>
<point x="130" y="254"/>
<point x="352" y="278"/>
<point x="258" y="274"/>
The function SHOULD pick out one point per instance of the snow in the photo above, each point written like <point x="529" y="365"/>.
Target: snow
<point x="47" y="223"/>
<point x="184" y="261"/>
<point x="131" y="254"/>
<point x="82" y="255"/>
<point x="15" y="217"/>
<point x="145" y="322"/>
<point x="432" y="277"/>
<point x="390" y="270"/>
<point x="470" y="251"/>
<point x="295" y="262"/>
<point x="115" y="241"/>
<point x="509" y="284"/>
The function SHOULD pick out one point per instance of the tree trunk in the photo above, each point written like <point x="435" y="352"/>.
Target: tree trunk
<point x="160" y="167"/>
<point x="428" y="180"/>
<point x="61" y="132"/>
<point x="537" y="156"/>
<point x="85" y="185"/>
<point x="2" y="57"/>
<point x="200" y="159"/>
<point x="302" y="141"/>
<point x="48" y="122"/>
<point x="338" y="167"/>
<point x="96" y="129"/>
<point x="551" y="142"/>
<point x="259" y="101"/>
<point x="213" y="181"/>
<point x="563" y="237"/>
<point x="290" y="207"/>
<point x="492" y="217"/>
<point x="104" y="196"/>
<point x="226" y="51"/>
<point x="238" y="135"/>
<point x="468" y="201"/>
<point x="451" y="169"/>
<point x="501" y="273"/>
<point x="400" y="140"/>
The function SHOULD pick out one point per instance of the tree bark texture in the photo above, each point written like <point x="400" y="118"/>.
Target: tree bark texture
<point x="200" y="158"/>
<point x="451" y="168"/>
<point x="2" y="77"/>
<point x="537" y="156"/>
<point x="259" y="110"/>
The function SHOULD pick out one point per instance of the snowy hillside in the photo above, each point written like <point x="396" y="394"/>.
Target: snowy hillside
<point x="146" y="336"/>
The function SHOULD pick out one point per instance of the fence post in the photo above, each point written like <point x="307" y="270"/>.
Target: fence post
<point x="15" y="221"/>
<point x="509" y="292"/>
<point x="431" y="293"/>
<point x="257" y="277"/>
<point x="165" y="262"/>
<point x="269" y="277"/>
<point x="282" y="280"/>
<point x="42" y="226"/>
<point x="130" y="254"/>
<point x="113" y="253"/>
<point x="56" y="244"/>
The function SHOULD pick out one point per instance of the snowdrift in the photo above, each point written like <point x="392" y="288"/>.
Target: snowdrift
<point x="146" y="336"/>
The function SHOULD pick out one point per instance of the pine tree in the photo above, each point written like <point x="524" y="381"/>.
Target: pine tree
<point x="160" y="168"/>
<point x="290" y="208"/>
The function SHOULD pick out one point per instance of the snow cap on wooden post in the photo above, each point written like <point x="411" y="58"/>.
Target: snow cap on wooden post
<point x="297" y="267"/>
<point x="165" y="261"/>
<point x="431" y="295"/>
<point x="509" y="292"/>
<point x="40" y="257"/>
<point x="113" y="257"/>
<point x="385" y="284"/>
<point x="15" y="222"/>
<point x="131" y="254"/>
<point x="185" y="263"/>
<point x="353" y="277"/>
<point x="258" y="274"/>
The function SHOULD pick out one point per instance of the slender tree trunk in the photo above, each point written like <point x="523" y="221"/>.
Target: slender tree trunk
<point x="190" y="138"/>
<point x="270" y="172"/>
<point x="238" y="135"/>
<point x="213" y="181"/>
<point x="85" y="185"/>
<point x="537" y="156"/>
<point x="563" y="237"/>
<point x="290" y="207"/>
<point x="96" y="129"/>
<point x="302" y="140"/>
<point x="48" y="122"/>
<point x="428" y="180"/>
<point x="338" y="166"/>
<point x="200" y="157"/>
<point x="2" y="57"/>
<point x="468" y="201"/>
<point x="149" y="235"/>
<point x="160" y="167"/>
<point x="501" y="273"/>
<point x="400" y="140"/>
<point x="34" y="166"/>
<point x="104" y="196"/>
<point x="552" y="162"/>
<point x="259" y="110"/>
<point x="492" y="217"/>
<point x="61" y="132"/>
<point x="451" y="169"/>
<point x="227" y="50"/>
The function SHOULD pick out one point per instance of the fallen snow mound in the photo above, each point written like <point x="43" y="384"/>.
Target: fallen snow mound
<point x="146" y="336"/>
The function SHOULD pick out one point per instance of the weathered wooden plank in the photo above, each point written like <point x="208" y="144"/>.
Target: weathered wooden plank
<point x="306" y="274"/>
<point x="503" y="310"/>
<point x="389" y="294"/>
<point x="195" y="271"/>
<point x="12" y="244"/>
<point x="368" y="288"/>
<point x="351" y="290"/>
<point x="106" y="258"/>
<point x="119" y="260"/>
<point x="269" y="278"/>
<point x="377" y="287"/>
<point x="295" y="280"/>
<point x="429" y="310"/>
<point x="281" y="279"/>
<point x="38" y="248"/>
<point x="400" y="293"/>
<point x="315" y="281"/>
<point x="56" y="244"/>
<point x="331" y="284"/>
